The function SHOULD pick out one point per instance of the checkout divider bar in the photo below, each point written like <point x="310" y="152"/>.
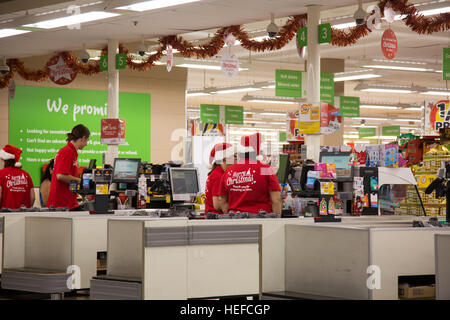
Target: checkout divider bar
<point x="201" y="235"/>
<point x="1" y="224"/>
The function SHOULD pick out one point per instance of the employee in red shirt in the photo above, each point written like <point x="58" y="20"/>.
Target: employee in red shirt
<point x="16" y="186"/>
<point x="221" y="157"/>
<point x="66" y="170"/>
<point x="250" y="186"/>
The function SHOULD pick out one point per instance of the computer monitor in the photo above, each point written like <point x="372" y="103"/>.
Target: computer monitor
<point x="341" y="159"/>
<point x="183" y="183"/>
<point x="126" y="170"/>
<point x="283" y="168"/>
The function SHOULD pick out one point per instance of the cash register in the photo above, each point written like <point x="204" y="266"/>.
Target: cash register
<point x="184" y="186"/>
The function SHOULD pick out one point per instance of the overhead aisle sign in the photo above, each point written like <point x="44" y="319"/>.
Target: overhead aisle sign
<point x="349" y="106"/>
<point x="446" y="64"/>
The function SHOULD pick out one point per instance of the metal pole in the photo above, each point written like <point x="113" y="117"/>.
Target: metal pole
<point x="113" y="95"/>
<point x="313" y="68"/>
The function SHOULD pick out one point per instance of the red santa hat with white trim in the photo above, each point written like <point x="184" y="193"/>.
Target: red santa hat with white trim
<point x="10" y="152"/>
<point x="221" y="151"/>
<point x="251" y="143"/>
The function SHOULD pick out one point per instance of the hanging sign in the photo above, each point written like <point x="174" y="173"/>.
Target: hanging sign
<point x="234" y="114"/>
<point x="390" y="131"/>
<point x="436" y="117"/>
<point x="367" y="132"/>
<point x="302" y="39"/>
<point x="112" y="131"/>
<point x="229" y="65"/>
<point x="103" y="63"/>
<point x="229" y="39"/>
<point x="389" y="44"/>
<point x="324" y="33"/>
<point x="327" y="88"/>
<point x="121" y="61"/>
<point x="59" y="72"/>
<point x="293" y="129"/>
<point x="211" y="113"/>
<point x="309" y="120"/>
<point x="349" y="106"/>
<point x="290" y="83"/>
<point x="169" y="57"/>
<point x="446" y="64"/>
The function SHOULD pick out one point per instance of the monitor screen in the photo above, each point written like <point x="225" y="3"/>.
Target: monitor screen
<point x="342" y="159"/>
<point x="126" y="170"/>
<point x="283" y="168"/>
<point x="183" y="183"/>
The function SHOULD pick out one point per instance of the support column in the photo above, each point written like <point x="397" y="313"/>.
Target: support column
<point x="312" y="141"/>
<point x="113" y="95"/>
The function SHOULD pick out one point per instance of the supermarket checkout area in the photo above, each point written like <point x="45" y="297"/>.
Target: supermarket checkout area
<point x="166" y="254"/>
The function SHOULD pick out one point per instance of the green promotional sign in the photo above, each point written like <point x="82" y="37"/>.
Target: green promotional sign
<point x="103" y="63"/>
<point x="349" y="106"/>
<point x="327" y="88"/>
<point x="121" y="61"/>
<point x="302" y="37"/>
<point x="390" y="131"/>
<point x="289" y="83"/>
<point x="282" y="136"/>
<point x="324" y="33"/>
<point x="446" y="64"/>
<point x="234" y="115"/>
<point x="40" y="117"/>
<point x="209" y="113"/>
<point x="367" y="132"/>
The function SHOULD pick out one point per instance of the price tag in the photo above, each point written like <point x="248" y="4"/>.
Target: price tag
<point x="324" y="33"/>
<point x="104" y="63"/>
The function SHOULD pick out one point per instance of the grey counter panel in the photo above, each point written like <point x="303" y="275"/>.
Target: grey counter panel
<point x="166" y="236"/>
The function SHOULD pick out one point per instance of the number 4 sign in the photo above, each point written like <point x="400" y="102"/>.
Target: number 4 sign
<point x="324" y="31"/>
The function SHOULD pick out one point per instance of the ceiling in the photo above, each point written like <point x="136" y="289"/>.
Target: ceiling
<point x="199" y="20"/>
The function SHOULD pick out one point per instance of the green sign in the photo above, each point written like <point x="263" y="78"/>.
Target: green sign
<point x="40" y="117"/>
<point x="367" y="132"/>
<point x="446" y="64"/>
<point x="234" y="115"/>
<point x="327" y="88"/>
<point x="324" y="31"/>
<point x="290" y="83"/>
<point x="121" y="61"/>
<point x="302" y="37"/>
<point x="103" y="63"/>
<point x="349" y="106"/>
<point x="209" y="113"/>
<point x="282" y="136"/>
<point x="390" y="131"/>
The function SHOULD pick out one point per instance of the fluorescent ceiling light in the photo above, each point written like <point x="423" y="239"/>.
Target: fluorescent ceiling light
<point x="203" y="66"/>
<point x="377" y="107"/>
<point x="376" y="66"/>
<point x="235" y="90"/>
<point x="351" y="136"/>
<point x="11" y="32"/>
<point x="272" y="86"/>
<point x="72" y="20"/>
<point x="414" y="108"/>
<point x="273" y="113"/>
<point x="437" y="93"/>
<point x="370" y="118"/>
<point x="344" y="25"/>
<point x="272" y="101"/>
<point x="357" y="77"/>
<point x="406" y="120"/>
<point x="386" y="90"/>
<point x="435" y="11"/>
<point x="154" y="4"/>
<point x="197" y="94"/>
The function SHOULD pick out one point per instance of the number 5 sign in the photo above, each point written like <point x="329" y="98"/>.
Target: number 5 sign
<point x="121" y="62"/>
<point x="324" y="31"/>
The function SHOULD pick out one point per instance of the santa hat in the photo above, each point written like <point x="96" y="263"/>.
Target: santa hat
<point x="10" y="152"/>
<point x="251" y="143"/>
<point x="221" y="151"/>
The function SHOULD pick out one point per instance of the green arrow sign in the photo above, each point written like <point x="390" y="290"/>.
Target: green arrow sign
<point x="324" y="31"/>
<point x="367" y="132"/>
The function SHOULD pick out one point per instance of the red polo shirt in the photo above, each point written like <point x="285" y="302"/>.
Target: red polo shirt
<point x="212" y="189"/>
<point x="247" y="185"/>
<point x="65" y="163"/>
<point x="16" y="187"/>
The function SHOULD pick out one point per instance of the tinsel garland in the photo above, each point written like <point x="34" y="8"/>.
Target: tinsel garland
<point x="415" y="21"/>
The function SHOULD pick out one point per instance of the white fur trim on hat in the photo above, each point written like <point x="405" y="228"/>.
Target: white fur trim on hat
<point x="243" y="149"/>
<point x="17" y="165"/>
<point x="223" y="154"/>
<point x="260" y="158"/>
<point x="6" y="156"/>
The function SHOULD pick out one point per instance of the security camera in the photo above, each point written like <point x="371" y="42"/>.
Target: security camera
<point x="4" y="69"/>
<point x="141" y="49"/>
<point x="272" y="28"/>
<point x="84" y="56"/>
<point x="360" y="15"/>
